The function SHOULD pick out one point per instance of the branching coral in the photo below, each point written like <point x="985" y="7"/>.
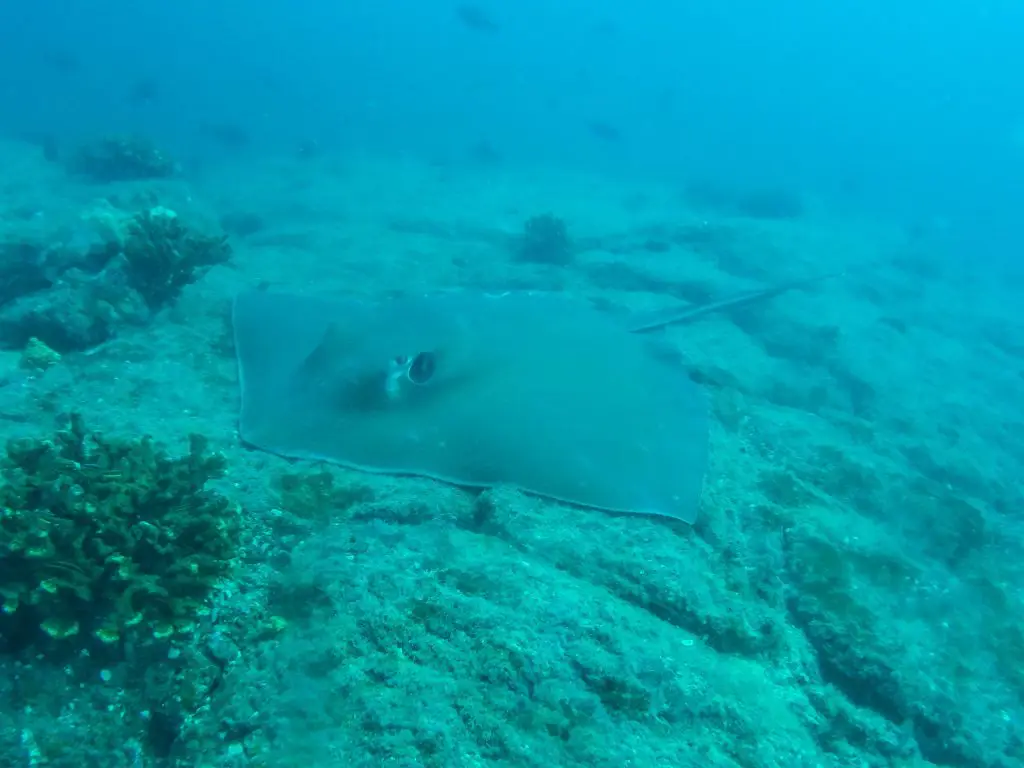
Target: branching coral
<point x="103" y="537"/>
<point x="163" y="255"/>
<point x="545" y="240"/>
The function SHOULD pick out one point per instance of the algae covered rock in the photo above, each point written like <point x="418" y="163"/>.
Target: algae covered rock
<point x="37" y="356"/>
<point x="101" y="538"/>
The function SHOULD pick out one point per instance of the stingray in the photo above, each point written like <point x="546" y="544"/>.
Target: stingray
<point x="534" y="391"/>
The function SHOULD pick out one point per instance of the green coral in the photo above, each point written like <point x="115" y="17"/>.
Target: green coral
<point x="163" y="255"/>
<point x="105" y="537"/>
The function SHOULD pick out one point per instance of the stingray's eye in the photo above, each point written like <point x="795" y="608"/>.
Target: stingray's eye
<point x="422" y="368"/>
<point x="401" y="361"/>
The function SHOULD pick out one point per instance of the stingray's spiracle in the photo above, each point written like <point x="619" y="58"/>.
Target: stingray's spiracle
<point x="416" y="369"/>
<point x="422" y="367"/>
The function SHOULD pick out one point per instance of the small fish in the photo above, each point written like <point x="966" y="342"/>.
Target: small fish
<point x="50" y="146"/>
<point x="145" y="91"/>
<point x="604" y="131"/>
<point x="46" y="142"/>
<point x="62" y="61"/>
<point x="476" y="18"/>
<point x="226" y="134"/>
<point x="484" y="153"/>
<point x="307" y="149"/>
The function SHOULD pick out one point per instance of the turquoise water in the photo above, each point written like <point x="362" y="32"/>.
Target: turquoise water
<point x="851" y="593"/>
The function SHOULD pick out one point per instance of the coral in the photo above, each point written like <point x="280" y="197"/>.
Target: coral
<point x="121" y="158"/>
<point x="163" y="255"/>
<point x="100" y="537"/>
<point x="118" y="268"/>
<point x="81" y="310"/>
<point x="544" y="240"/>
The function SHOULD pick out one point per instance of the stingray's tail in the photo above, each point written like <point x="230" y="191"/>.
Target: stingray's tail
<point x="689" y="314"/>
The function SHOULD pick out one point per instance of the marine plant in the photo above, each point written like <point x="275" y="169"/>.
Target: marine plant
<point x="544" y="240"/>
<point x="102" y="539"/>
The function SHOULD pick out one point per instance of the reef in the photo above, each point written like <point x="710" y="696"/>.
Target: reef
<point x="76" y="297"/>
<point x="544" y="240"/>
<point x="768" y="203"/>
<point x="121" y="158"/>
<point x="102" y="539"/>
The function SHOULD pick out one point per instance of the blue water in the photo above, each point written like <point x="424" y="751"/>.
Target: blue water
<point x="852" y="594"/>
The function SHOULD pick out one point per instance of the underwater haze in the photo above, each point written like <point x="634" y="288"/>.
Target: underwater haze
<point x="302" y="464"/>
<point x="910" y="109"/>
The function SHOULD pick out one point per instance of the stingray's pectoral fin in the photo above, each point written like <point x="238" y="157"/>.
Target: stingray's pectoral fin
<point x="320" y="362"/>
<point x="327" y="375"/>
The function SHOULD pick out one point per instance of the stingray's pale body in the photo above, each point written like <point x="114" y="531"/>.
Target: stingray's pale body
<point x="538" y="392"/>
